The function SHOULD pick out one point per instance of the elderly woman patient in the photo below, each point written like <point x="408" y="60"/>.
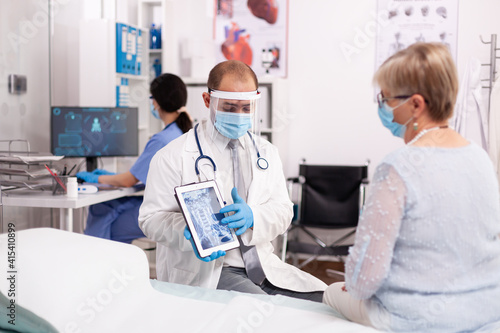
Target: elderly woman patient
<point x="426" y="257"/>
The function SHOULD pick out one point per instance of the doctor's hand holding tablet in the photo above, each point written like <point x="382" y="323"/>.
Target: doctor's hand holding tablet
<point x="237" y="216"/>
<point x="212" y="228"/>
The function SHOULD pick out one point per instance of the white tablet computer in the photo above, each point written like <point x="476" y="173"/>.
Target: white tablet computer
<point x="200" y="204"/>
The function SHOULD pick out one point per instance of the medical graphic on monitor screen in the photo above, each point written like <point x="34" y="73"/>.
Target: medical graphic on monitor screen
<point x="204" y="209"/>
<point x="94" y="132"/>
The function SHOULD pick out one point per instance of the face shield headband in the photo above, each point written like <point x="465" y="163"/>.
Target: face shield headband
<point x="237" y="95"/>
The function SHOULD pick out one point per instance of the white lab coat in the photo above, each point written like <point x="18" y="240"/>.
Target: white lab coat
<point x="494" y="127"/>
<point x="161" y="220"/>
<point x="470" y="117"/>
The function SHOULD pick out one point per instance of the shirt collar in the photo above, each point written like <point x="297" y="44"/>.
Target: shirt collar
<point x="167" y="126"/>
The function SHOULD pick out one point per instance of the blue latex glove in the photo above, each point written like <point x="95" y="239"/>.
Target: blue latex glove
<point x="88" y="177"/>
<point x="213" y="256"/>
<point x="102" y="172"/>
<point x="242" y="219"/>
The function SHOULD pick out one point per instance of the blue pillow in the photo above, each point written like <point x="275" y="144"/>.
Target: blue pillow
<point x="24" y="320"/>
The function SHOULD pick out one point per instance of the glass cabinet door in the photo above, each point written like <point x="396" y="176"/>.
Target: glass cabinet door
<point x="24" y="92"/>
<point x="24" y="72"/>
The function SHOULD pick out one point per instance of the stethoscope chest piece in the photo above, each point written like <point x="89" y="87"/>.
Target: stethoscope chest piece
<point x="262" y="163"/>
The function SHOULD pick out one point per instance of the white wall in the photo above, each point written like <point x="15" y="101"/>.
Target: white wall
<point x="65" y="49"/>
<point x="187" y="33"/>
<point x="126" y="11"/>
<point x="334" y="116"/>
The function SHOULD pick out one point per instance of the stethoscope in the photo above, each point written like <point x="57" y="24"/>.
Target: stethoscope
<point x="261" y="161"/>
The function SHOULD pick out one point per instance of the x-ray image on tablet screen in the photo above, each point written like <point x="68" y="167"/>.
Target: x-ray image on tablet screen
<point x="200" y="204"/>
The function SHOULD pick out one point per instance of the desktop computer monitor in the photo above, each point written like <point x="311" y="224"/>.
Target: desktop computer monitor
<point x="94" y="132"/>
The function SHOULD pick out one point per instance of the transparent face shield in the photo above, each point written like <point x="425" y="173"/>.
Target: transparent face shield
<point x="233" y="114"/>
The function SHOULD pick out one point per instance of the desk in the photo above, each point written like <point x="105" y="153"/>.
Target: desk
<point x="45" y="199"/>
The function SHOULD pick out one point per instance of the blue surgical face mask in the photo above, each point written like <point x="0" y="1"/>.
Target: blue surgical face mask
<point x="386" y="115"/>
<point x="233" y="125"/>
<point x="154" y="112"/>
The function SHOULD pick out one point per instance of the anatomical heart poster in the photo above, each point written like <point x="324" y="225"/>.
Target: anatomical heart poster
<point x="255" y="32"/>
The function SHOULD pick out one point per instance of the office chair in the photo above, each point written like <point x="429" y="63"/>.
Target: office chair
<point x="330" y="197"/>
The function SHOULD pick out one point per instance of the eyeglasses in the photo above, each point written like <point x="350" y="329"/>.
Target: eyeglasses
<point x="381" y="99"/>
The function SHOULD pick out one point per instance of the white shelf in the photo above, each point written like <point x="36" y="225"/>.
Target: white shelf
<point x="45" y="199"/>
<point x="152" y="2"/>
<point x="194" y="80"/>
<point x="132" y="77"/>
<point x="155" y="51"/>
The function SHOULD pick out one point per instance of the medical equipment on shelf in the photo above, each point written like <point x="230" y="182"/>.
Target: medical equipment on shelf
<point x="261" y="161"/>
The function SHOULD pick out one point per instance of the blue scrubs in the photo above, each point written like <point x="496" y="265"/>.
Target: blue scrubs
<point x="118" y="219"/>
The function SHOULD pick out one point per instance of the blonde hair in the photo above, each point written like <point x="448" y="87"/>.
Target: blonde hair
<point x="426" y="69"/>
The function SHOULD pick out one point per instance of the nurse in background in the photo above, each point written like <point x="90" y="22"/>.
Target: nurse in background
<point x="426" y="257"/>
<point x="118" y="219"/>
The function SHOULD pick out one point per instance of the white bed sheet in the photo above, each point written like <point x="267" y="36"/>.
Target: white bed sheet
<point x="224" y="296"/>
<point x="80" y="283"/>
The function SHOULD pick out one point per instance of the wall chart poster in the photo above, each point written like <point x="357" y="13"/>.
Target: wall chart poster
<point x="404" y="22"/>
<point x="255" y="32"/>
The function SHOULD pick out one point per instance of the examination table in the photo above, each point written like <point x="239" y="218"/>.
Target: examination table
<point x="69" y="282"/>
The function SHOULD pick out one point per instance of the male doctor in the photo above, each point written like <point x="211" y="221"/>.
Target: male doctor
<point x="260" y="203"/>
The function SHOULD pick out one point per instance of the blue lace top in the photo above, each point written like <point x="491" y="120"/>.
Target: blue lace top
<point x="427" y="248"/>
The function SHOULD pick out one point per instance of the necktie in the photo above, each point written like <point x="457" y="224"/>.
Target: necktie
<point x="249" y="253"/>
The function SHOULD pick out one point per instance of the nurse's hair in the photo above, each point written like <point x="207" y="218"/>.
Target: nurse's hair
<point x="230" y="67"/>
<point x="170" y="92"/>
<point x="426" y="69"/>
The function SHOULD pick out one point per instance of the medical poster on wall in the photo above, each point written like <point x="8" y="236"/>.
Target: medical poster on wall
<point x="404" y="22"/>
<point x="255" y="32"/>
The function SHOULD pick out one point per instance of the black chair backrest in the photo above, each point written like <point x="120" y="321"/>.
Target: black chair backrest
<point x="330" y="195"/>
